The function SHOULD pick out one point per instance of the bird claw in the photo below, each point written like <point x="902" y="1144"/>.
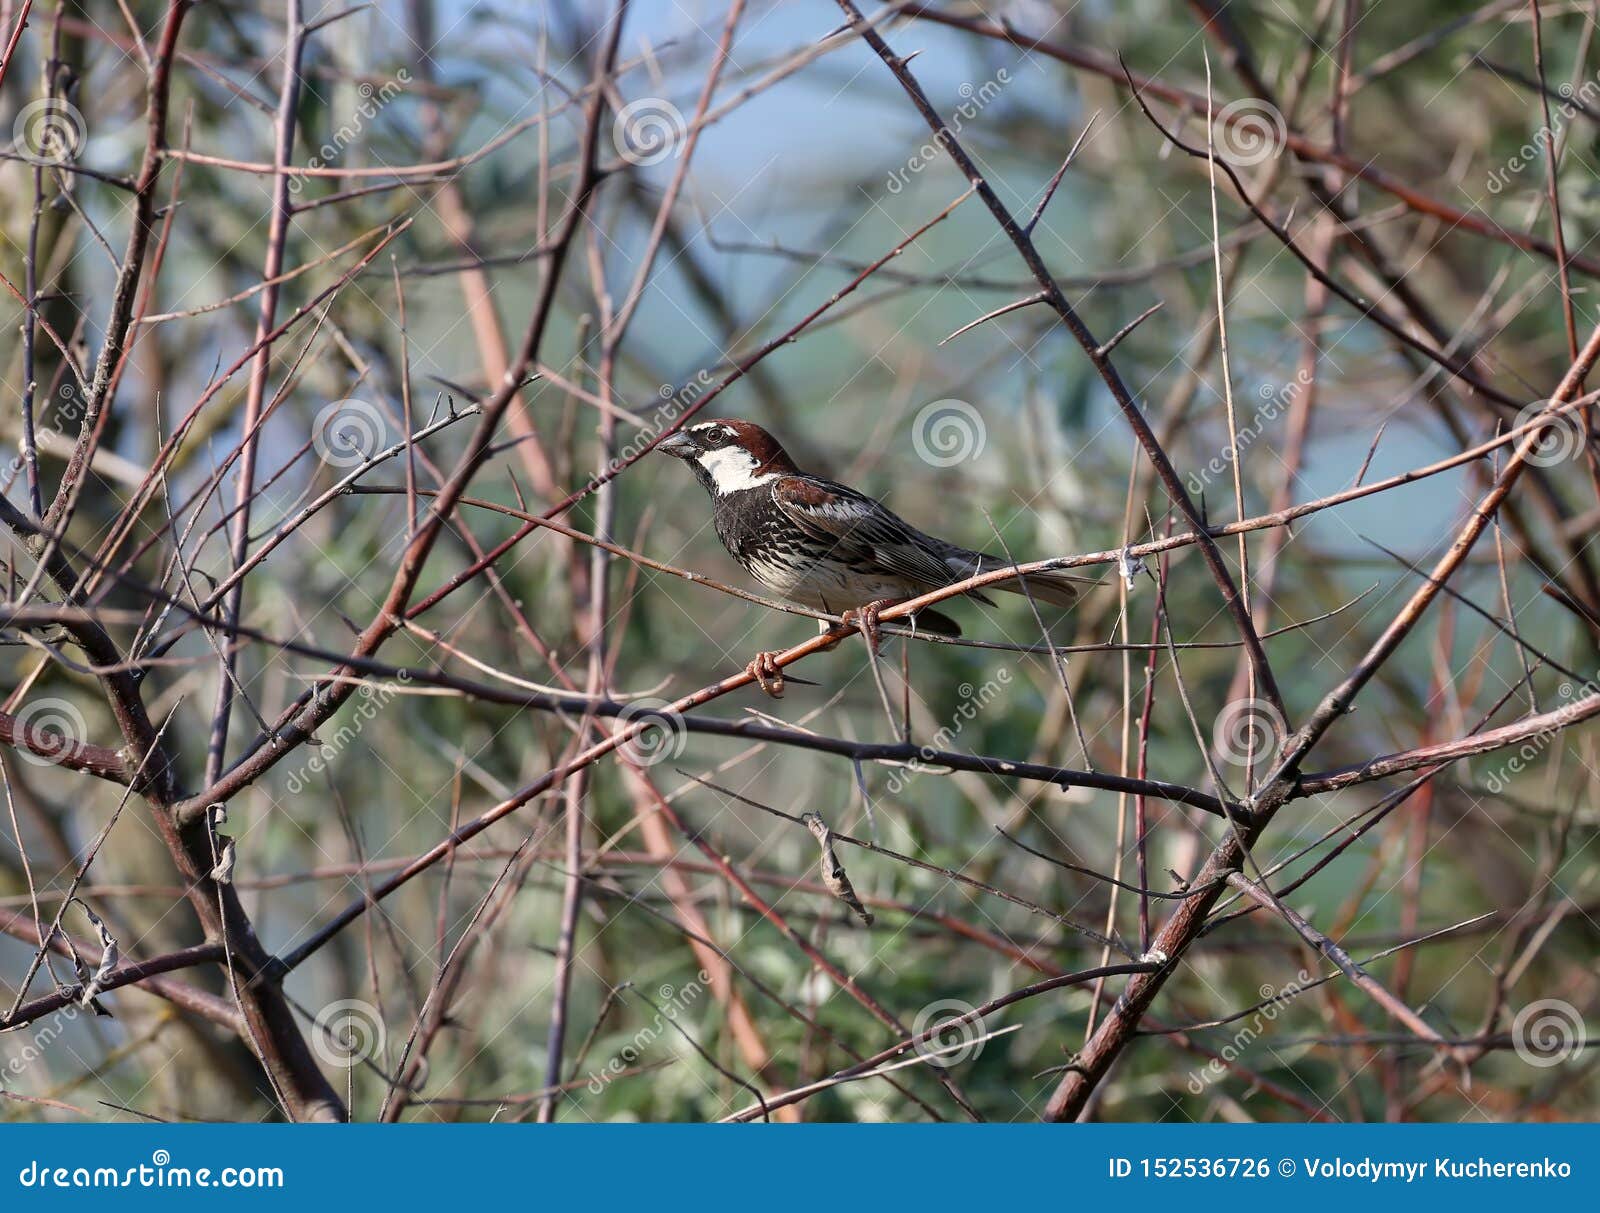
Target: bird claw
<point x="866" y="619"/>
<point x="767" y="673"/>
<point x="769" y="676"/>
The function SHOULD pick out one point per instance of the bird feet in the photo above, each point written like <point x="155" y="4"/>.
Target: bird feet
<point x="767" y="673"/>
<point x="865" y="618"/>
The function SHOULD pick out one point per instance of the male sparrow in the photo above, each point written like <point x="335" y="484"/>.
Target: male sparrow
<point x="824" y="545"/>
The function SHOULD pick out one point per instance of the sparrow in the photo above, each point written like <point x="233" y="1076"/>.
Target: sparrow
<point x="822" y="544"/>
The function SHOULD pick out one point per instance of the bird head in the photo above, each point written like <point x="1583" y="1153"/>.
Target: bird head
<point x="729" y="456"/>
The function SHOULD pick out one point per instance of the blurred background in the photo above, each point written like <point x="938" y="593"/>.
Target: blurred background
<point x="697" y="976"/>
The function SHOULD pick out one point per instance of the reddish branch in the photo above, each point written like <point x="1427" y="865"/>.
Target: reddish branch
<point x="98" y="760"/>
<point x="147" y="974"/>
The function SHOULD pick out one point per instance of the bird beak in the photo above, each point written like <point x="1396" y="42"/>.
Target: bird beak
<point x="679" y="446"/>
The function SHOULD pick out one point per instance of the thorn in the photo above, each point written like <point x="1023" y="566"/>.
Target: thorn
<point x="1038" y="297"/>
<point x="1116" y="338"/>
<point x="1050" y="190"/>
<point x="1371" y="451"/>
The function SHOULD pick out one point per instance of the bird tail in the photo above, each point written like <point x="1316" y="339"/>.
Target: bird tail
<point x="1056" y="588"/>
<point x="930" y="620"/>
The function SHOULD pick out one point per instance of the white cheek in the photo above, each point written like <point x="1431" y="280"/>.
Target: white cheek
<point x="733" y="470"/>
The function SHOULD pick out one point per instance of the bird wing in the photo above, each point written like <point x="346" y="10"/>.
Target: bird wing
<point x="860" y="530"/>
